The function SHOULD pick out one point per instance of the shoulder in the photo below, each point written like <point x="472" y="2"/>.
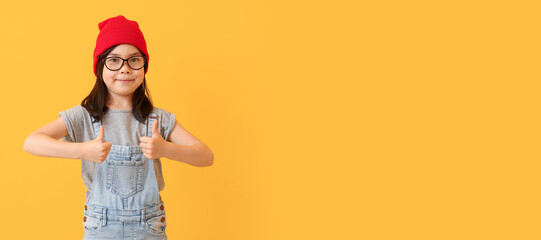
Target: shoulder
<point x="166" y="121"/>
<point x="77" y="111"/>
<point x="163" y="114"/>
<point x="76" y="120"/>
<point x="159" y="110"/>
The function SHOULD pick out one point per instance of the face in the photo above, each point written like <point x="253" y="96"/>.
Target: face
<point x="125" y="81"/>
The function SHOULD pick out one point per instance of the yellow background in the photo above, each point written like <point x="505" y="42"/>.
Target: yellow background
<point x="328" y="119"/>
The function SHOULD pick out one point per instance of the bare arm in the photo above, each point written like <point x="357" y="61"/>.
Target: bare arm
<point x="44" y="142"/>
<point x="187" y="148"/>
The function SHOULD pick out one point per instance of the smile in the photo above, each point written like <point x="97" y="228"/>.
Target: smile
<point x="124" y="80"/>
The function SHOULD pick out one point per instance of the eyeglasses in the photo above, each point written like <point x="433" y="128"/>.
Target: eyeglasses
<point x="115" y="63"/>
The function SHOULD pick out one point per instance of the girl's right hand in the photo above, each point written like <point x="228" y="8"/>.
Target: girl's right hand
<point x="97" y="149"/>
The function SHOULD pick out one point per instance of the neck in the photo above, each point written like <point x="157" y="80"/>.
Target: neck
<point x="119" y="102"/>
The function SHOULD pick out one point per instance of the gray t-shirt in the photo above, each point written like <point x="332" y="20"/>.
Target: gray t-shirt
<point x="120" y="128"/>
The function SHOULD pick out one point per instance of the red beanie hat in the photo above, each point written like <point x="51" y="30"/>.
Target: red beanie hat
<point x="119" y="30"/>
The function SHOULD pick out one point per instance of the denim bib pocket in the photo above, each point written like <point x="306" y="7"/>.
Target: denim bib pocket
<point x="125" y="177"/>
<point x="91" y="224"/>
<point x="156" y="225"/>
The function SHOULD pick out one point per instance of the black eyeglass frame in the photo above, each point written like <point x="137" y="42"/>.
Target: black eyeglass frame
<point x="124" y="60"/>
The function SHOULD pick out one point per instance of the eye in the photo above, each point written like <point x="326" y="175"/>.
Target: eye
<point x="135" y="59"/>
<point x="113" y="60"/>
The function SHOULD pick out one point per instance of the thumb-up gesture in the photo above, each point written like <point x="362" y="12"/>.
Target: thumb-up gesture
<point x="97" y="150"/>
<point x="153" y="147"/>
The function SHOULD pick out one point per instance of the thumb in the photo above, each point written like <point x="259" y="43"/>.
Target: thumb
<point x="101" y="134"/>
<point x="155" y="131"/>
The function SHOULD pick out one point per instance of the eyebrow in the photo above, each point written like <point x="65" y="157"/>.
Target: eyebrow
<point x="115" y="54"/>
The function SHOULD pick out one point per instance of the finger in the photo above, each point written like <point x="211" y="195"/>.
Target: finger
<point x="145" y="139"/>
<point x="146" y="152"/>
<point x="101" y="134"/>
<point x="144" y="145"/>
<point x="102" y="158"/>
<point x="155" y="131"/>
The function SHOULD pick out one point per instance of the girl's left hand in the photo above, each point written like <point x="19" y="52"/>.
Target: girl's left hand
<point x="155" y="146"/>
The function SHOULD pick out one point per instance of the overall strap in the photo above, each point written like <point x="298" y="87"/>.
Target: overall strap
<point x="96" y="126"/>
<point x="151" y="118"/>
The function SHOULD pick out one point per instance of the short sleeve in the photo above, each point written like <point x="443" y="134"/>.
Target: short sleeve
<point x="73" y="118"/>
<point x="167" y="122"/>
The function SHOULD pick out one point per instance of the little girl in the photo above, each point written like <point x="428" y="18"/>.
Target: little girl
<point x="120" y="137"/>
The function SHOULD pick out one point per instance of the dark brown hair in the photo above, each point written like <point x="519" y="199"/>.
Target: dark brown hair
<point x="95" y="101"/>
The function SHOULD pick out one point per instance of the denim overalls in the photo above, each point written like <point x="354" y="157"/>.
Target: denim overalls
<point x="125" y="201"/>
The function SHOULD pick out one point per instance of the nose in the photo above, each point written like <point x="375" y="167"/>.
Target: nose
<point x="125" y="68"/>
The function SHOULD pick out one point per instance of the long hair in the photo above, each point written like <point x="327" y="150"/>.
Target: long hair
<point x="95" y="101"/>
